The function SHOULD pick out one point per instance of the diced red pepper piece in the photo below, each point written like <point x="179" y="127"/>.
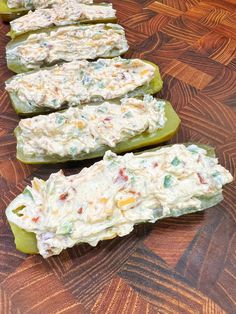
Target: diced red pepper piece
<point x="35" y="219"/>
<point x="123" y="175"/>
<point x="201" y="179"/>
<point x="63" y="196"/>
<point x="107" y="119"/>
<point x="80" y="210"/>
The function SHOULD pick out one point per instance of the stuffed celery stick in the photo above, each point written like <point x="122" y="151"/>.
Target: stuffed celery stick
<point x="64" y="44"/>
<point x="80" y="82"/>
<point x="107" y="199"/>
<point x="69" y="13"/>
<point x="11" y="9"/>
<point x="77" y="134"/>
<point x="37" y="4"/>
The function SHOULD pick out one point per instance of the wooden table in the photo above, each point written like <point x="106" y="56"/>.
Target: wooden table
<point x="184" y="265"/>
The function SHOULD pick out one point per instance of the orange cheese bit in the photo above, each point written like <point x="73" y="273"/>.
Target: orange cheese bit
<point x="103" y="200"/>
<point x="125" y="202"/>
<point x="80" y="124"/>
<point x="144" y="72"/>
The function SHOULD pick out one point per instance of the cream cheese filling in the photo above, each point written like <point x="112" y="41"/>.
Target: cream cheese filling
<point x="65" y="14"/>
<point x="36" y="4"/>
<point x="69" y="43"/>
<point x="78" y="131"/>
<point x="80" y="82"/>
<point x="110" y="197"/>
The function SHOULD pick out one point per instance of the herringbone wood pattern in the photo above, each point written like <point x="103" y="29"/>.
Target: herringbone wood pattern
<point x="184" y="265"/>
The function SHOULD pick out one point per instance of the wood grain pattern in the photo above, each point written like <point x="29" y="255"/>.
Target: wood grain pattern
<point x="175" y="233"/>
<point x="184" y="265"/>
<point x="119" y="297"/>
<point x="163" y="287"/>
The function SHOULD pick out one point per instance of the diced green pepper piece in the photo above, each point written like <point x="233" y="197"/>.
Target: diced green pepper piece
<point x="175" y="162"/>
<point x="26" y="242"/>
<point x="167" y="181"/>
<point x="139" y="141"/>
<point x="24" y="109"/>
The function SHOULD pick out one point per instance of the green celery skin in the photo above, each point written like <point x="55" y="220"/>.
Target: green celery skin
<point x="7" y="14"/>
<point x="139" y="141"/>
<point x="26" y="242"/>
<point x="16" y="67"/>
<point x="23" y="109"/>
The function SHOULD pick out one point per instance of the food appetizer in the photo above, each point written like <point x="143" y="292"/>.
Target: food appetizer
<point x="69" y="13"/>
<point x="11" y="9"/>
<point x="81" y="82"/>
<point x="77" y="134"/>
<point x="110" y="197"/>
<point x="37" y="4"/>
<point x="64" y="44"/>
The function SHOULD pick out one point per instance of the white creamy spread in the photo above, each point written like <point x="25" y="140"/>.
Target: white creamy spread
<point x="65" y="14"/>
<point x="80" y="82"/>
<point x="79" y="131"/>
<point x="36" y="4"/>
<point x="69" y="43"/>
<point x="110" y="197"/>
